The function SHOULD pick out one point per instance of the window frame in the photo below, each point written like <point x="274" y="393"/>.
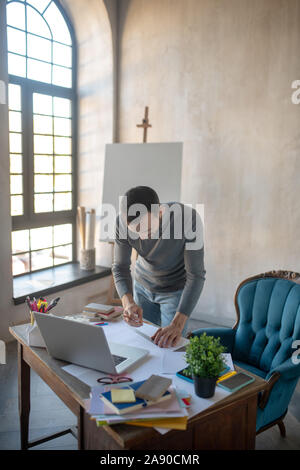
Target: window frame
<point x="30" y="219"/>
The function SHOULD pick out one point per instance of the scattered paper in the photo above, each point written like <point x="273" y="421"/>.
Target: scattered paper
<point x="228" y="360"/>
<point x="172" y="361"/>
<point x="147" y="331"/>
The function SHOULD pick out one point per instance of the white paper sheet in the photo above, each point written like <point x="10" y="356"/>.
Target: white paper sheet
<point x="172" y="361"/>
<point x="228" y="360"/>
<point x="147" y="331"/>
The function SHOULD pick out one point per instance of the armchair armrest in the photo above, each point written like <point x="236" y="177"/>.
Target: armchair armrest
<point x="287" y="370"/>
<point x="226" y="335"/>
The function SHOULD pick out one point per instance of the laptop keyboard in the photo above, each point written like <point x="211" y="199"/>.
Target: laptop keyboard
<point x="118" y="359"/>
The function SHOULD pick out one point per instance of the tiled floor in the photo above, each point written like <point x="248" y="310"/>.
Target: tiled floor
<point x="48" y="414"/>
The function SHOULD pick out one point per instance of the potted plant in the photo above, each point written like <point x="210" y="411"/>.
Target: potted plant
<point x="205" y="363"/>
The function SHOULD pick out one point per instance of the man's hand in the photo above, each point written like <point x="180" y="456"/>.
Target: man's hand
<point x="133" y="313"/>
<point x="170" y="335"/>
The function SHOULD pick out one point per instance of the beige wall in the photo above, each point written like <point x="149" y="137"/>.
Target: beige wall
<point x="217" y="75"/>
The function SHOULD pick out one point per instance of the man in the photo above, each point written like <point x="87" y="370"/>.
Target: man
<point x="169" y="272"/>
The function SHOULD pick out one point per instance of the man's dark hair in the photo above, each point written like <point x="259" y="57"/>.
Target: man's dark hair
<point x="140" y="195"/>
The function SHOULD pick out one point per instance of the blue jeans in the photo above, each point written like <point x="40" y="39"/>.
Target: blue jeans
<point x="158" y="308"/>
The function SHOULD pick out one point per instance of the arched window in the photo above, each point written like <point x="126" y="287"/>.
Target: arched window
<point x="41" y="66"/>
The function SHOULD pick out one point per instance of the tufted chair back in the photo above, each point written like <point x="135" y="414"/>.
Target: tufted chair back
<point x="268" y="310"/>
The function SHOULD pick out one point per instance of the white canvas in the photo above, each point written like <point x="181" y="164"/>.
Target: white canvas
<point x="157" y="165"/>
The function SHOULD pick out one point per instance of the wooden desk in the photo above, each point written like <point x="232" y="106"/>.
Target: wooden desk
<point x="229" y="424"/>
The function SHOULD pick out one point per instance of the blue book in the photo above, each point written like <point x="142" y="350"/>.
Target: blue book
<point x="123" y="408"/>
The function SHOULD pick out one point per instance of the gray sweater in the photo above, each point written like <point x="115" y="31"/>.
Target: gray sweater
<point x="163" y="265"/>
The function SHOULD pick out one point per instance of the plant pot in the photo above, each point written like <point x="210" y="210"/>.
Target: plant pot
<point x="204" y="386"/>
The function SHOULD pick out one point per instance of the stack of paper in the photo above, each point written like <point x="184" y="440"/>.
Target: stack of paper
<point x="168" y="413"/>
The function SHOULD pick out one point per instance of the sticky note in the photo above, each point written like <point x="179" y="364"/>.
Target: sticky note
<point x="119" y="395"/>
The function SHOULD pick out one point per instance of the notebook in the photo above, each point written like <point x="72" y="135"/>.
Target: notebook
<point x="123" y="408"/>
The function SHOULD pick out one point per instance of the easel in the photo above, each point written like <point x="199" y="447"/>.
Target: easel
<point x="112" y="296"/>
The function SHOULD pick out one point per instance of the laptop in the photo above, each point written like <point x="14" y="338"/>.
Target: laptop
<point x="85" y="345"/>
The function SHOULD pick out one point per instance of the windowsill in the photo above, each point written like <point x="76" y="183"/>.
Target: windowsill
<point x="53" y="280"/>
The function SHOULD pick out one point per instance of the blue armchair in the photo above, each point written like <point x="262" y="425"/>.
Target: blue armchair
<point x="262" y="339"/>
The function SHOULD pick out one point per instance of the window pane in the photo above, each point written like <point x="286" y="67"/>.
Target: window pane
<point x="16" y="205"/>
<point x="14" y="97"/>
<point x="62" y="254"/>
<point x="62" y="76"/>
<point x="41" y="238"/>
<point x="16" y="65"/>
<point x="63" y="183"/>
<point x="16" y="184"/>
<point x="62" y="145"/>
<point x="62" y="234"/>
<point x="63" y="164"/>
<point x="57" y="24"/>
<point x="15" y="163"/>
<point x="40" y="5"/>
<point x="41" y="259"/>
<point x="37" y="70"/>
<point x="15" y="121"/>
<point x="43" y="203"/>
<point x="20" y="241"/>
<point x="42" y="104"/>
<point x="62" y="107"/>
<point x="62" y="126"/>
<point x="43" y="164"/>
<point x="43" y="144"/>
<point x="16" y="41"/>
<point x="62" y="55"/>
<point x="42" y="125"/>
<point x="38" y="48"/>
<point x="62" y="201"/>
<point x="15" y="143"/>
<point x="15" y="15"/>
<point x="43" y="183"/>
<point x="20" y="264"/>
<point x="36" y="24"/>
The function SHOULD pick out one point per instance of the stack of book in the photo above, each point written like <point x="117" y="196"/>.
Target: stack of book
<point x="167" y="412"/>
<point x="94" y="312"/>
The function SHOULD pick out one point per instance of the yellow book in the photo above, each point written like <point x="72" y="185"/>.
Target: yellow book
<point x="167" y="423"/>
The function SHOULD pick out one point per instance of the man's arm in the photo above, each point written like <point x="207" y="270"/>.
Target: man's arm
<point x="133" y="314"/>
<point x="195" y="278"/>
<point x="121" y="265"/>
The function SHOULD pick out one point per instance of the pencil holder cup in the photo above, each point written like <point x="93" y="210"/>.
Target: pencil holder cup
<point x="33" y="334"/>
<point x="87" y="259"/>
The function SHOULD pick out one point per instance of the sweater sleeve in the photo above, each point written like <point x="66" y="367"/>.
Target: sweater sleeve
<point x="121" y="264"/>
<point x="194" y="263"/>
<point x="195" y="277"/>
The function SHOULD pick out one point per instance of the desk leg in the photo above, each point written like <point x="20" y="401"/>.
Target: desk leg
<point x="80" y="428"/>
<point x="24" y="396"/>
